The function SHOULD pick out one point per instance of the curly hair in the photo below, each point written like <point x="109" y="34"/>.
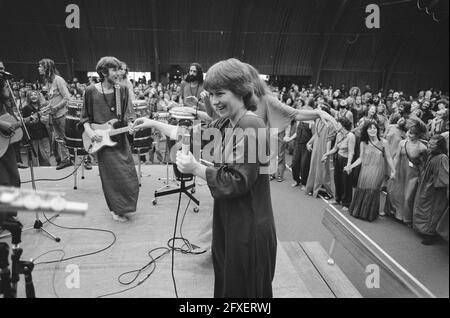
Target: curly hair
<point x="365" y="135"/>
<point x="199" y="77"/>
<point x="29" y="93"/>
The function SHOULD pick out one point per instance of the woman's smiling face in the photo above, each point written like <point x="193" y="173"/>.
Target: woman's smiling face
<point x="372" y="131"/>
<point x="226" y="103"/>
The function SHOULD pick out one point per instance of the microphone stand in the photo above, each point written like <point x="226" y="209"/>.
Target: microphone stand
<point x="38" y="225"/>
<point x="5" y="273"/>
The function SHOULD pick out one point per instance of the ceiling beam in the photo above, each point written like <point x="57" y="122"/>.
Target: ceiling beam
<point x="326" y="39"/>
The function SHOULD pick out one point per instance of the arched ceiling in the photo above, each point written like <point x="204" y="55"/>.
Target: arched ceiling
<point x="324" y="39"/>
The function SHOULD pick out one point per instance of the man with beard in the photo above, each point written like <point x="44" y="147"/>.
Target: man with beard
<point x="193" y="86"/>
<point x="117" y="172"/>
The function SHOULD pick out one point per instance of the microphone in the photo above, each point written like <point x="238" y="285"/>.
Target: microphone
<point x="186" y="144"/>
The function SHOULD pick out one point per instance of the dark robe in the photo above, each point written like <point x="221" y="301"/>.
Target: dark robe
<point x="116" y="166"/>
<point x="431" y="197"/>
<point x="244" y="239"/>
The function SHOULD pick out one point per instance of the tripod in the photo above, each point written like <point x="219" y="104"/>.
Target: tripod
<point x="38" y="225"/>
<point x="182" y="178"/>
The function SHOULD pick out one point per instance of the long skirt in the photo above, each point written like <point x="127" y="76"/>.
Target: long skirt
<point x="119" y="178"/>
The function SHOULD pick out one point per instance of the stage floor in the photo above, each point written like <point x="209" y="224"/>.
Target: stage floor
<point x="151" y="227"/>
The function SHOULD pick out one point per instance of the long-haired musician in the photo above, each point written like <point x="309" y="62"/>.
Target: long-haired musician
<point x="9" y="173"/>
<point x="116" y="166"/>
<point x="192" y="86"/>
<point x="59" y="95"/>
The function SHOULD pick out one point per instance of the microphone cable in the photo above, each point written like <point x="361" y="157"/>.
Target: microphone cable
<point x="59" y="179"/>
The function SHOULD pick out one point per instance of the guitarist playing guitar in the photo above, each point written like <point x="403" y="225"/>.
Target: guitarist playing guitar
<point x="9" y="174"/>
<point x="104" y="103"/>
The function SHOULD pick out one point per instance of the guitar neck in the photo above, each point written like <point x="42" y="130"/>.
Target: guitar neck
<point x="119" y="131"/>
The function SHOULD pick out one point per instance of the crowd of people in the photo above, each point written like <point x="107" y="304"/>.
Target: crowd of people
<point x="369" y="142"/>
<point x="384" y="141"/>
<point x="48" y="140"/>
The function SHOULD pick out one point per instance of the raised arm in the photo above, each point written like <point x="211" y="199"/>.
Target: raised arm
<point x="170" y="131"/>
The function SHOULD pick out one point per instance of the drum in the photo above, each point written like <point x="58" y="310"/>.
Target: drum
<point x="142" y="139"/>
<point x="75" y="108"/>
<point x="73" y="134"/>
<point x="161" y="116"/>
<point x="141" y="108"/>
<point x="182" y="119"/>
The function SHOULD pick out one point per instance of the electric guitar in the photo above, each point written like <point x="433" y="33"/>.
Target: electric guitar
<point x="7" y="139"/>
<point x="106" y="131"/>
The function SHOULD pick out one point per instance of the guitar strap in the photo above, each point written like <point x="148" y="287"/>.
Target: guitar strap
<point x="118" y="103"/>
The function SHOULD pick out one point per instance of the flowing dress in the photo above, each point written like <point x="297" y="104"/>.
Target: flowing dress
<point x="431" y="200"/>
<point x="366" y="200"/>
<point x="116" y="166"/>
<point x="244" y="240"/>
<point x="393" y="136"/>
<point x="401" y="191"/>
<point x="319" y="172"/>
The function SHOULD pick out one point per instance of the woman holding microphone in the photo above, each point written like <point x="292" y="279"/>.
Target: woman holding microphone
<point x="244" y="239"/>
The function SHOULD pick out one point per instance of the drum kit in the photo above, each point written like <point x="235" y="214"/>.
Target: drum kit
<point x="141" y="141"/>
<point x="73" y="136"/>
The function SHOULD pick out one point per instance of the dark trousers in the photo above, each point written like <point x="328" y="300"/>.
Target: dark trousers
<point x="16" y="147"/>
<point x="342" y="182"/>
<point x="300" y="164"/>
<point x="282" y="146"/>
<point x="9" y="174"/>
